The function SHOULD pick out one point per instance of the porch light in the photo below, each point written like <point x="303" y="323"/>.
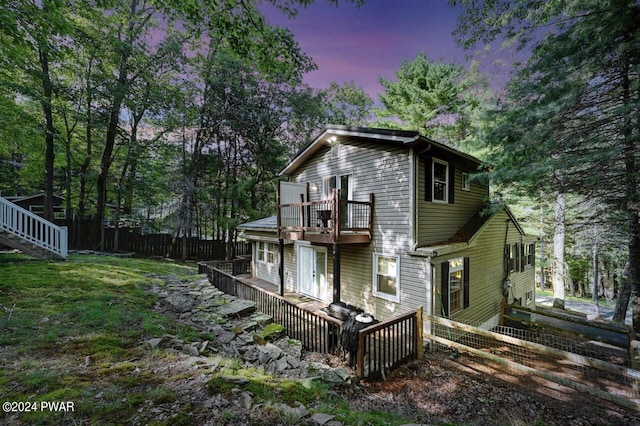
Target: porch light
<point x="332" y="140"/>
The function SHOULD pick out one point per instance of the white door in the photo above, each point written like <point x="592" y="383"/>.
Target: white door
<point x="312" y="271"/>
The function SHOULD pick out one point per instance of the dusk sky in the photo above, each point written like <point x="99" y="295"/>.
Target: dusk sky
<point x="362" y="44"/>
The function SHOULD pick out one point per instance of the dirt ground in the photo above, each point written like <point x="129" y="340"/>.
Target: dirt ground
<point x="461" y="390"/>
<point x="438" y="390"/>
<point x="441" y="389"/>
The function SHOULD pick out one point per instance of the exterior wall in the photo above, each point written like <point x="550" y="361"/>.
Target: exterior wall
<point x="486" y="274"/>
<point x="385" y="171"/>
<point x="266" y="270"/>
<point x="439" y="221"/>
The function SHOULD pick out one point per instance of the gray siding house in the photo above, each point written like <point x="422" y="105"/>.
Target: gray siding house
<point x="389" y="221"/>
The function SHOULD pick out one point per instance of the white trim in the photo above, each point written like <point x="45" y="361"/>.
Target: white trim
<point x="460" y="288"/>
<point x="433" y="181"/>
<point x="380" y="294"/>
<point x="324" y="284"/>
<point x="268" y="248"/>
<point x="466" y="183"/>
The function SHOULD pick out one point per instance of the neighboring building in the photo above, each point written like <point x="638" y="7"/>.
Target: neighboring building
<point x="35" y="204"/>
<point x="388" y="221"/>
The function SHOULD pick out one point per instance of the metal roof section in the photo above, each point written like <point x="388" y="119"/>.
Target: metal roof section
<point x="265" y="224"/>
<point x="332" y="133"/>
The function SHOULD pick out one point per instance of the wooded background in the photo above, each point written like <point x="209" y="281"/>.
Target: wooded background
<point x="126" y="106"/>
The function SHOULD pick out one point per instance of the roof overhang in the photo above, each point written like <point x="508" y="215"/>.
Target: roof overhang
<point x="403" y="137"/>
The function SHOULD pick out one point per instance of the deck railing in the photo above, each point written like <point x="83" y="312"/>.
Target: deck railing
<point x="334" y="217"/>
<point x="316" y="333"/>
<point x="384" y="346"/>
<point x="381" y="347"/>
<point x="33" y="229"/>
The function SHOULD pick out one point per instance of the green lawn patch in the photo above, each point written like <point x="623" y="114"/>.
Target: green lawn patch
<point x="73" y="330"/>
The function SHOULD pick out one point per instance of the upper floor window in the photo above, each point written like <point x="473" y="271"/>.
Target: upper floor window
<point x="386" y="277"/>
<point x="527" y="255"/>
<point x="466" y="182"/>
<point x="328" y="185"/>
<point x="512" y="257"/>
<point x="440" y="180"/>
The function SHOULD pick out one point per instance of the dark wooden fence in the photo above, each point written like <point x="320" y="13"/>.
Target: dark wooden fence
<point x="165" y="245"/>
<point x="316" y="333"/>
<point x="384" y="346"/>
<point x="381" y="347"/>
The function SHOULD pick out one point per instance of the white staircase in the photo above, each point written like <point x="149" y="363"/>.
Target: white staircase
<point x="31" y="234"/>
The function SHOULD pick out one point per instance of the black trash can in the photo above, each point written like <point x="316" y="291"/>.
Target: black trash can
<point x="349" y="334"/>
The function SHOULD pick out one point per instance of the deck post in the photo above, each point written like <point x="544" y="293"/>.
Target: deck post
<point x="336" y="272"/>
<point x="281" y="266"/>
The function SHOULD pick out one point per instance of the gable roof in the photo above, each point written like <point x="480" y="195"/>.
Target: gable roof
<point x="333" y="133"/>
<point x="469" y="233"/>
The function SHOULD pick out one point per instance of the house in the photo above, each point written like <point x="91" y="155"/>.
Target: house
<point x="388" y="221"/>
<point x="35" y="204"/>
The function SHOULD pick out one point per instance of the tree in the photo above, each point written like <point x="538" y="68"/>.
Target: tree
<point x="574" y="108"/>
<point x="348" y="104"/>
<point x="431" y="97"/>
<point x="31" y="34"/>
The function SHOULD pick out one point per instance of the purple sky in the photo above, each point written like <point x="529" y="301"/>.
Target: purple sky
<point x="363" y="44"/>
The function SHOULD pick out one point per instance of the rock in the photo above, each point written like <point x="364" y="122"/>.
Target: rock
<point x="154" y="343"/>
<point x="179" y="303"/>
<point x="268" y="353"/>
<point x="190" y="350"/>
<point x="235" y="380"/>
<point x="321" y="418"/>
<point x="245" y="400"/>
<point x="291" y="414"/>
<point x="237" y="307"/>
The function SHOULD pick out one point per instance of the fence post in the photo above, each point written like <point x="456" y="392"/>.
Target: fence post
<point x="419" y="331"/>
<point x="360" y="356"/>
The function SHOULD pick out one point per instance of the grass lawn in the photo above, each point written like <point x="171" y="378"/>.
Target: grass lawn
<point x="73" y="332"/>
<point x="70" y="330"/>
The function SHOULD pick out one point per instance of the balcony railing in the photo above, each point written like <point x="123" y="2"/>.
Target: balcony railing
<point x="327" y="221"/>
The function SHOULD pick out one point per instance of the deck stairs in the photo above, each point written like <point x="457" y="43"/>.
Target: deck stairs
<point x="22" y="230"/>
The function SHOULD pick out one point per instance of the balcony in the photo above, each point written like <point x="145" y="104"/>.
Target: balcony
<point x="333" y="221"/>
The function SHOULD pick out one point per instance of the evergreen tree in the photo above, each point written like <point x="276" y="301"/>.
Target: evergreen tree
<point x="570" y="121"/>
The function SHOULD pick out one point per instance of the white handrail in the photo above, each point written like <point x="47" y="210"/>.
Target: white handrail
<point x="32" y="228"/>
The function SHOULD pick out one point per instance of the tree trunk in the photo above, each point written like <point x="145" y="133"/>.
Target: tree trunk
<point x="624" y="294"/>
<point x="543" y="275"/>
<point x="49" y="155"/>
<point x="558" y="252"/>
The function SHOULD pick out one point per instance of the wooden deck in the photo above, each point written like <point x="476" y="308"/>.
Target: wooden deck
<point x="298" y="299"/>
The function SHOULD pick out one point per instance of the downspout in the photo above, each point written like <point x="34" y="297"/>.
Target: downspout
<point x="414" y="195"/>
<point x="506" y="285"/>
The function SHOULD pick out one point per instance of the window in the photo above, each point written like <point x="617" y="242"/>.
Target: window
<point x="456" y="268"/>
<point x="344" y="183"/>
<point x="266" y="252"/>
<point x="466" y="182"/>
<point x="386" y="277"/>
<point x="528" y="255"/>
<point x="511" y="255"/>
<point x="454" y="292"/>
<point x="529" y="296"/>
<point x="328" y="185"/>
<point x="440" y="180"/>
